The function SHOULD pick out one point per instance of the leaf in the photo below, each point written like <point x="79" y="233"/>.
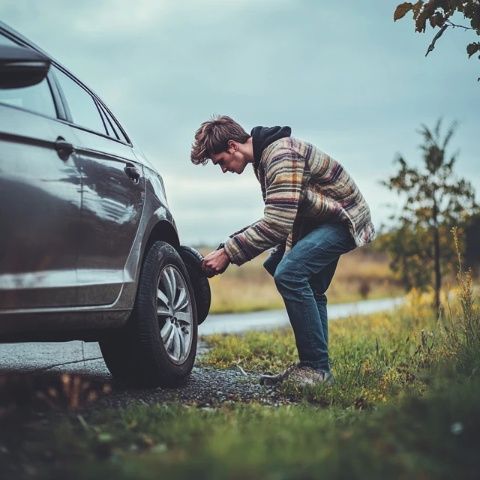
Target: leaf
<point x="402" y="10"/>
<point x="439" y="19"/>
<point x="420" y="21"/>
<point x="473" y="48"/>
<point x="475" y="21"/>
<point x="416" y="8"/>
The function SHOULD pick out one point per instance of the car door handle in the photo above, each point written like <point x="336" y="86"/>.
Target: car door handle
<point x="133" y="173"/>
<point x="64" y="149"/>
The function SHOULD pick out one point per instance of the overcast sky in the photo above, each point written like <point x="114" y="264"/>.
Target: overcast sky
<point x="342" y="74"/>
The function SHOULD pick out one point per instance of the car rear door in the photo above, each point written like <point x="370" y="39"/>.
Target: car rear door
<point x="39" y="200"/>
<point x="113" y="189"/>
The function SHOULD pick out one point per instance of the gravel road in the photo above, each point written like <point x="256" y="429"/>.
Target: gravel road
<point x="77" y="383"/>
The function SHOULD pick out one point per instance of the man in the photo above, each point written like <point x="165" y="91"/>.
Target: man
<point x="313" y="213"/>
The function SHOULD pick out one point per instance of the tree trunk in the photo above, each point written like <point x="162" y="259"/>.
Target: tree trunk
<point x="436" y="256"/>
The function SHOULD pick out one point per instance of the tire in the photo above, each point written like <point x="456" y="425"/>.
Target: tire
<point x="159" y="343"/>
<point x="203" y="296"/>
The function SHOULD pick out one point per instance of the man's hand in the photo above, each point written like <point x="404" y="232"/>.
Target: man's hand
<point x="215" y="262"/>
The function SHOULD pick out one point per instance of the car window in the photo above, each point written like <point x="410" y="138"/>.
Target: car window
<point x="120" y="131"/>
<point x="81" y="104"/>
<point x="111" y="131"/>
<point x="113" y="122"/>
<point x="37" y="98"/>
<point x="6" y="41"/>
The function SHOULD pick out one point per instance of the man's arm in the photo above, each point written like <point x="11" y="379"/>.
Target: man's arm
<point x="217" y="262"/>
<point x="284" y="176"/>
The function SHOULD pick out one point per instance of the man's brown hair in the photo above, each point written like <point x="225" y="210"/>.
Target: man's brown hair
<point x="213" y="136"/>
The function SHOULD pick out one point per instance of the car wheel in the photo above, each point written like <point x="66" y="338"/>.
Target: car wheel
<point x="159" y="343"/>
<point x="203" y="296"/>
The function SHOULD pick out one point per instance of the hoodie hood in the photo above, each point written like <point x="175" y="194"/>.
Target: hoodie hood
<point x="262" y="137"/>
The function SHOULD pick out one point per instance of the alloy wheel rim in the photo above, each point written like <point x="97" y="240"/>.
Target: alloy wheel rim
<point x="174" y="313"/>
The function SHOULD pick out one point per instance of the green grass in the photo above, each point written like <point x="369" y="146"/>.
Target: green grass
<point x="435" y="436"/>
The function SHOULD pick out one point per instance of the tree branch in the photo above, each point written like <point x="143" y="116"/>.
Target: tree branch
<point x="435" y="38"/>
<point x="454" y="25"/>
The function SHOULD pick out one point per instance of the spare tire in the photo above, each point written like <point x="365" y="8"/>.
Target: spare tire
<point x="203" y="297"/>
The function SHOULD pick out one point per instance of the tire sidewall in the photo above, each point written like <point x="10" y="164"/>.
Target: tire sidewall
<point x="201" y="287"/>
<point x="159" y="256"/>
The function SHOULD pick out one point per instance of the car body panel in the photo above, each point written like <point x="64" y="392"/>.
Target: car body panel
<point x="98" y="219"/>
<point x="38" y="245"/>
<point x="112" y="205"/>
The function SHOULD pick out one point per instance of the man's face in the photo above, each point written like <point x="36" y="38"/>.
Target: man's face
<point x="232" y="160"/>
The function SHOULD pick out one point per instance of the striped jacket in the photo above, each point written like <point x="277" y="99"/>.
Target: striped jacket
<point x="300" y="184"/>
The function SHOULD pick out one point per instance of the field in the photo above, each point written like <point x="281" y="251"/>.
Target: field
<point x="360" y="274"/>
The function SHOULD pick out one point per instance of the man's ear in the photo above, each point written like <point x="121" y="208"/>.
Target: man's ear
<point x="232" y="144"/>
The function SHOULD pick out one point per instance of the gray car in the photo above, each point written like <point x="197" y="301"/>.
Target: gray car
<point x="88" y="246"/>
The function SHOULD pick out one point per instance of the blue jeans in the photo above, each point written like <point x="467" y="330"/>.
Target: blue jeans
<point x="302" y="278"/>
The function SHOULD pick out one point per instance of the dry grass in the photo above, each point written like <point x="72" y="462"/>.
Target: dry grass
<point x="360" y="274"/>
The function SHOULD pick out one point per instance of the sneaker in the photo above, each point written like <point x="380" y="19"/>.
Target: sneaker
<point x="300" y="375"/>
<point x="309" y="376"/>
<point x="268" y="379"/>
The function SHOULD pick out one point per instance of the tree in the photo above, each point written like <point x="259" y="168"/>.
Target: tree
<point x="435" y="201"/>
<point x="439" y="13"/>
<point x="407" y="248"/>
<point x="472" y="241"/>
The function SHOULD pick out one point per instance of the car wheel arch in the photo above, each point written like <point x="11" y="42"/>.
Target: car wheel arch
<point x="162" y="231"/>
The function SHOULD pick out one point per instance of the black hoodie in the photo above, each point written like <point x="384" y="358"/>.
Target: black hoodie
<point x="263" y="137"/>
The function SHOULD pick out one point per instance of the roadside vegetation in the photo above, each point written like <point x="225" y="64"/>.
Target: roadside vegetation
<point x="376" y="358"/>
<point x="404" y="405"/>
